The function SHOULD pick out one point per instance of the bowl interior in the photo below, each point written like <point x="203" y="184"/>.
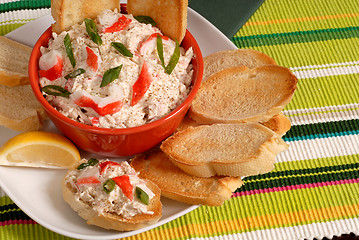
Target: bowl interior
<point x="197" y="63"/>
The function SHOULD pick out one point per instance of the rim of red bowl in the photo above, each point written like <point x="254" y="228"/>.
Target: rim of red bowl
<point x="34" y="81"/>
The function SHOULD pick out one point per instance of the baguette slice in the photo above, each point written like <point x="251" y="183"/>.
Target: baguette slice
<point x="234" y="58"/>
<point x="14" y="61"/>
<point x="67" y="13"/>
<point x="110" y="220"/>
<point x="169" y="15"/>
<point x="19" y="109"/>
<point x="238" y="150"/>
<point x="241" y="94"/>
<point x="180" y="186"/>
<point x="279" y="123"/>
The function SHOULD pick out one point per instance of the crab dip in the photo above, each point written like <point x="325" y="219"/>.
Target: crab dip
<point x="116" y="71"/>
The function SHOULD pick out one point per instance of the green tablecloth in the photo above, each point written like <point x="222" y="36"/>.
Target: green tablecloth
<point x="314" y="188"/>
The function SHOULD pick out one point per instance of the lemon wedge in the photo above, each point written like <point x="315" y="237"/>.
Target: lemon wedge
<point x="39" y="149"/>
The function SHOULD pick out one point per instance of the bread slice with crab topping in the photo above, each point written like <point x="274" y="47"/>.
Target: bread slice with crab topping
<point x="110" y="195"/>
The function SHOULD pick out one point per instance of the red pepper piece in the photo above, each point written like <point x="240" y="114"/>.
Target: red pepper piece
<point x="55" y="72"/>
<point x="154" y="35"/>
<point x="124" y="183"/>
<point x="105" y="165"/>
<point x="110" y="108"/>
<point x="88" y="180"/>
<point x="142" y="84"/>
<point x="121" y="23"/>
<point x="92" y="59"/>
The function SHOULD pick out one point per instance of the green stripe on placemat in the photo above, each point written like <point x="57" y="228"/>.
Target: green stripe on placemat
<point x="10" y="27"/>
<point x="320" y="130"/>
<point x="296" y="37"/>
<point x="325" y="91"/>
<point x="19" y="5"/>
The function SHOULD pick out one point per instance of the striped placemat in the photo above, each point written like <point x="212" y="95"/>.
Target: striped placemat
<point x="313" y="191"/>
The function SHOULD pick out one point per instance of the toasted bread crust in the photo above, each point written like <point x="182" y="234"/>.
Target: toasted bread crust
<point x="240" y="149"/>
<point x="67" y="13"/>
<point x="112" y="220"/>
<point x="241" y="94"/>
<point x="233" y="58"/>
<point x="180" y="186"/>
<point x="279" y="123"/>
<point x="170" y="15"/>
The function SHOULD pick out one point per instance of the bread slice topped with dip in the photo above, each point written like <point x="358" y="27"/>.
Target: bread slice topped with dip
<point x="169" y="15"/>
<point x="110" y="195"/>
<point x="180" y="186"/>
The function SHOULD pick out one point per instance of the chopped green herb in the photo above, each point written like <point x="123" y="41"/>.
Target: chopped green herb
<point x="91" y="29"/>
<point x="68" y="47"/>
<point x="90" y="162"/>
<point x="122" y="49"/>
<point x="145" y="19"/>
<point x="56" y="90"/>
<point x="75" y="73"/>
<point x="142" y="195"/>
<point x="110" y="75"/>
<point x="160" y="50"/>
<point x="174" y="58"/>
<point x="108" y="186"/>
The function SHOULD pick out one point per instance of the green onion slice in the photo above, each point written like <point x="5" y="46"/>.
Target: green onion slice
<point x="75" y="73"/>
<point x="145" y="19"/>
<point x="142" y="195"/>
<point x="90" y="162"/>
<point x="122" y="49"/>
<point x="56" y="90"/>
<point x="110" y="75"/>
<point x="91" y="29"/>
<point x="68" y="47"/>
<point x="108" y="186"/>
<point x="174" y="58"/>
<point x="160" y="50"/>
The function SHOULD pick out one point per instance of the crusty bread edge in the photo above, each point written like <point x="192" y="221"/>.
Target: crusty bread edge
<point x="31" y="123"/>
<point x="110" y="221"/>
<point x="13" y="79"/>
<point x="224" y="191"/>
<point x="264" y="58"/>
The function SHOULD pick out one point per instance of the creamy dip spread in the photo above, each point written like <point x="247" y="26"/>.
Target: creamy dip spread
<point x="142" y="92"/>
<point x="110" y="186"/>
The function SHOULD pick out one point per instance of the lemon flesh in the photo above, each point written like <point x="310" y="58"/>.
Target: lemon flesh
<point x="39" y="149"/>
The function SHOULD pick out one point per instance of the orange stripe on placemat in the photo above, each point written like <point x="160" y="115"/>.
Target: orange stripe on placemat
<point x="255" y="222"/>
<point x="304" y="19"/>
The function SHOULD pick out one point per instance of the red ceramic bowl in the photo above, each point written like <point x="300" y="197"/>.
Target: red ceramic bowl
<point x="117" y="142"/>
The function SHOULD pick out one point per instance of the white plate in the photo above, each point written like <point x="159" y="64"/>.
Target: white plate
<point x="38" y="191"/>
